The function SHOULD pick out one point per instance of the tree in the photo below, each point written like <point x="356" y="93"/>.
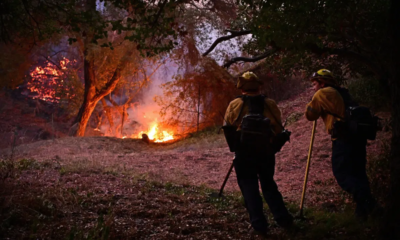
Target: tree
<point x="198" y="95"/>
<point x="198" y="98"/>
<point x="149" y="25"/>
<point x="129" y="92"/>
<point x="145" y="24"/>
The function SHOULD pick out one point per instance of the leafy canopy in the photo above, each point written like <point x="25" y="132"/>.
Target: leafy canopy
<point x="354" y="31"/>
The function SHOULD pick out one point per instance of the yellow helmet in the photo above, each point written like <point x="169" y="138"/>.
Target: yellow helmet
<point x="325" y="76"/>
<point x="249" y="82"/>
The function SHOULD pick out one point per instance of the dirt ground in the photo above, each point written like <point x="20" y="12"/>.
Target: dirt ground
<point x="202" y="161"/>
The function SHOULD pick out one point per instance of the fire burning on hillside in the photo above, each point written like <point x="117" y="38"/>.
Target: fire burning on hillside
<point x="143" y="124"/>
<point x="48" y="81"/>
<point x="124" y="113"/>
<point x="155" y="133"/>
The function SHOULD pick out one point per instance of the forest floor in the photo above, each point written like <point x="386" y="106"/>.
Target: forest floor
<point x="110" y="188"/>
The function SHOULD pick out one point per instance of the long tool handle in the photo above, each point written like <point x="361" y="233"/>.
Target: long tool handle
<point x="307" y="168"/>
<point x="226" y="179"/>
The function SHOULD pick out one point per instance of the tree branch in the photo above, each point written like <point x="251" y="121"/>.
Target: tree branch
<point x="30" y="15"/>
<point x="249" y="59"/>
<point x="51" y="61"/>
<point x="162" y="5"/>
<point x="110" y="86"/>
<point x="226" y="38"/>
<point x="198" y="8"/>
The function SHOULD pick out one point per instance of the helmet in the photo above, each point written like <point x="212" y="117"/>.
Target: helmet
<point x="249" y="82"/>
<point x="325" y="76"/>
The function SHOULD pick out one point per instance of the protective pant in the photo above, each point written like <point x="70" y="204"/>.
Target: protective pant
<point x="250" y="169"/>
<point x="349" y="168"/>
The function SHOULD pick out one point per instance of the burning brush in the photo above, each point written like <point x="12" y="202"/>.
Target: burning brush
<point x="153" y="135"/>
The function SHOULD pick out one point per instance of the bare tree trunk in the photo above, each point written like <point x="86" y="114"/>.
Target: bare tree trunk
<point x="122" y="109"/>
<point x="99" y="118"/>
<point x="87" y="111"/>
<point x="90" y="91"/>
<point x="107" y="111"/>
<point x="123" y="118"/>
<point x="198" y="110"/>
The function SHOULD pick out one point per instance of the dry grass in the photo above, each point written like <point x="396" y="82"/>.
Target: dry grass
<point x="110" y="188"/>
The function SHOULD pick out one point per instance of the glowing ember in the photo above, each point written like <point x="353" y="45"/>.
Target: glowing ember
<point x="156" y="135"/>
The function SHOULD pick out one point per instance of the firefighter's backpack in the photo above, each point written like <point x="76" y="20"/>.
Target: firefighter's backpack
<point x="256" y="130"/>
<point x="358" y="122"/>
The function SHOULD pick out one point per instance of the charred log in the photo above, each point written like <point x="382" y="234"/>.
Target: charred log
<point x="145" y="138"/>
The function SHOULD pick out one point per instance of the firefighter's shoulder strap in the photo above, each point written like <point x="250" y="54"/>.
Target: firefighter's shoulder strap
<point x="245" y="99"/>
<point x="272" y="114"/>
<point x="255" y="104"/>
<point x="280" y="139"/>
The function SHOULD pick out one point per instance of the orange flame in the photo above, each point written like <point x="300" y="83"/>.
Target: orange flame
<point x="156" y="135"/>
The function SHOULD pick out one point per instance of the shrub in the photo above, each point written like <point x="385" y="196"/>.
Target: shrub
<point x="370" y="92"/>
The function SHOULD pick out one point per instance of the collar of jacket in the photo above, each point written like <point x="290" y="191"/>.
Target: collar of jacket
<point x="251" y="93"/>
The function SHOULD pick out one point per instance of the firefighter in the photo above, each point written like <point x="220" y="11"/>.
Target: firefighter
<point x="254" y="166"/>
<point x="348" y="152"/>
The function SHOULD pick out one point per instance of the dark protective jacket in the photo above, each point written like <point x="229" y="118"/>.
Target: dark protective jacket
<point x="271" y="111"/>
<point x="326" y="100"/>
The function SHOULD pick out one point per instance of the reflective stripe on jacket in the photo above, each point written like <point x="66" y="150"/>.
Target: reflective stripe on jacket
<point x="271" y="111"/>
<point x="326" y="100"/>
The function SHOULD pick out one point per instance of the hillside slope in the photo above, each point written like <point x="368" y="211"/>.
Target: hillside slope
<point x="202" y="161"/>
<point x="111" y="188"/>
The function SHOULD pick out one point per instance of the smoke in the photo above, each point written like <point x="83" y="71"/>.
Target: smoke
<point x="145" y="112"/>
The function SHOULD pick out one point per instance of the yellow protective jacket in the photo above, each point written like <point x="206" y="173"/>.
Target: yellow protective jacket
<point x="271" y="111"/>
<point x="326" y="100"/>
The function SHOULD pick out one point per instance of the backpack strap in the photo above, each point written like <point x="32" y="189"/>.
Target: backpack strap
<point x="276" y="120"/>
<point x="347" y="99"/>
<point x="335" y="115"/>
<point x="245" y="100"/>
<point x="250" y="102"/>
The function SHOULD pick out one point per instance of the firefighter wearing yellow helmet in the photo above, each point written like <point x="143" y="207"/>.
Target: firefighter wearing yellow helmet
<point x="254" y="161"/>
<point x="348" y="152"/>
<point x="326" y="98"/>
